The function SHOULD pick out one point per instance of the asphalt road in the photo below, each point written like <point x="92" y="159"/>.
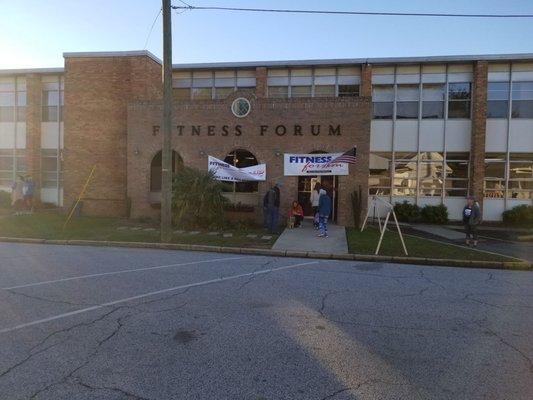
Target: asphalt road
<point x="78" y="323"/>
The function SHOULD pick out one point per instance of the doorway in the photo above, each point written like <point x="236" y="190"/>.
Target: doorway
<point x="306" y="185"/>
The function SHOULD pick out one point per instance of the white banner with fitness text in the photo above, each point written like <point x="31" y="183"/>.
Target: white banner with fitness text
<point x="229" y="173"/>
<point x="313" y="164"/>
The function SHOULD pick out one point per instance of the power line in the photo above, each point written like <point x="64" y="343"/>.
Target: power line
<point x="390" y="14"/>
<point x="151" y="29"/>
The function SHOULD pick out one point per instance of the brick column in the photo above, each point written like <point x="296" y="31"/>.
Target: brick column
<point x="366" y="80"/>
<point x="479" y="127"/>
<point x="33" y="127"/>
<point x="261" y="82"/>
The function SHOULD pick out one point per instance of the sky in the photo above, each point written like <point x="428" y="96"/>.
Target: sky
<point x="35" y="33"/>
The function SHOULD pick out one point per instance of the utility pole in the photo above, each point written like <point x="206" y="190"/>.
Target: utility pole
<point x="166" y="171"/>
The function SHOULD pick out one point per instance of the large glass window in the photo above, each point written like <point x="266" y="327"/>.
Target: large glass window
<point x="520" y="176"/>
<point x="431" y="174"/>
<point x="52" y="102"/>
<point x="7" y="102"/>
<point x="201" y="93"/>
<point x="6" y="167"/>
<point x="380" y="174"/>
<point x="494" y="185"/>
<point x="348" y="90"/>
<point x="242" y="159"/>
<point x="407" y="101"/>
<point x="49" y="164"/>
<point x="382" y="101"/>
<point x="459" y="97"/>
<point x="497" y="99"/>
<point x="325" y="91"/>
<point x="522" y="95"/>
<point x="223" y="92"/>
<point x="433" y="100"/>
<point x="457" y="174"/>
<point x="279" y="92"/>
<point x="405" y="171"/>
<point x="300" y="91"/>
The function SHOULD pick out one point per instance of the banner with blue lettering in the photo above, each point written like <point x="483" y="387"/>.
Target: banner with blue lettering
<point x="313" y="164"/>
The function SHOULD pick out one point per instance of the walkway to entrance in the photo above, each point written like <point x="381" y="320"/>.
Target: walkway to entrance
<point x="304" y="239"/>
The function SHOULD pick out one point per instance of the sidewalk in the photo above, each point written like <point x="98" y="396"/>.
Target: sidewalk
<point x="305" y="239"/>
<point x="506" y="248"/>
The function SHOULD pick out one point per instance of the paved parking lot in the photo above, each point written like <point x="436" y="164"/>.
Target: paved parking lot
<point x="115" y="323"/>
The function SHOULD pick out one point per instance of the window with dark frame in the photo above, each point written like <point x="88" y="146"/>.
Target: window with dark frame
<point x="382" y="101"/>
<point x="497" y="99"/>
<point x="241" y="158"/>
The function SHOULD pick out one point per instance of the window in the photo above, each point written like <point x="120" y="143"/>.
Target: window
<point x="433" y="100"/>
<point x="431" y="174"/>
<point x="379" y="177"/>
<point x="300" y="91"/>
<point x="52" y="100"/>
<point x="49" y="164"/>
<point x="497" y="99"/>
<point x="522" y="95"/>
<point x="459" y="96"/>
<point x="407" y="101"/>
<point x="405" y="174"/>
<point x="348" y="90"/>
<point x="181" y="94"/>
<point x="241" y="159"/>
<point x="494" y="185"/>
<point x="382" y="101"/>
<point x="156" y="169"/>
<point x="520" y="176"/>
<point x="325" y="91"/>
<point x="223" y="92"/>
<point x="6" y="168"/>
<point x="201" y="93"/>
<point x="280" y="92"/>
<point x="7" y="105"/>
<point x="457" y="174"/>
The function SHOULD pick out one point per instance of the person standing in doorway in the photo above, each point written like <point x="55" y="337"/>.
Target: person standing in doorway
<point x="471" y="219"/>
<point x="315" y="195"/>
<point x="324" y="210"/>
<point x="272" y="207"/>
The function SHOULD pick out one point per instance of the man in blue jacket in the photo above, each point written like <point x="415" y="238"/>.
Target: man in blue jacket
<point x="324" y="210"/>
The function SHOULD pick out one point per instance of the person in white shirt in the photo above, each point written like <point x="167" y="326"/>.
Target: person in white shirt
<point x="315" y="196"/>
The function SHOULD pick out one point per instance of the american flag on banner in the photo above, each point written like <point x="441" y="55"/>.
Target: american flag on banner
<point x="347" y="157"/>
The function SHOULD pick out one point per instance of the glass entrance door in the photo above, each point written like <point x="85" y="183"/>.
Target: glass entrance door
<point x="307" y="183"/>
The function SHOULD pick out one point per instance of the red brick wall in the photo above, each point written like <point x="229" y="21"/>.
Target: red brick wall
<point x="33" y="126"/>
<point x="97" y="91"/>
<point x="353" y="114"/>
<point x="479" y="127"/>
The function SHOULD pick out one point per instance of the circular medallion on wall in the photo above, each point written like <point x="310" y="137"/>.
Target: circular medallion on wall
<point x="241" y="107"/>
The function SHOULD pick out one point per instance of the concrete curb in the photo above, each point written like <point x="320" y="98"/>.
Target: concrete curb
<point x="513" y="265"/>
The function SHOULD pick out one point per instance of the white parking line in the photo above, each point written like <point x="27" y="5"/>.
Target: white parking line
<point x="124" y="271"/>
<point x="140" y="296"/>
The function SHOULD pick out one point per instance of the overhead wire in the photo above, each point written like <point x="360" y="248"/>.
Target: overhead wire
<point x="187" y="6"/>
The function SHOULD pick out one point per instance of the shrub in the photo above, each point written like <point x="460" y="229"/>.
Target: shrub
<point x="407" y="212"/>
<point x="5" y="199"/>
<point x="434" y="214"/>
<point x="197" y="199"/>
<point x="521" y="216"/>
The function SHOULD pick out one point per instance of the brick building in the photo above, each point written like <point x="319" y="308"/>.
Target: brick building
<point x="428" y="130"/>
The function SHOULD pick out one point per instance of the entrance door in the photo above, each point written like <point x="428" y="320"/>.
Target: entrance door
<point x="306" y="185"/>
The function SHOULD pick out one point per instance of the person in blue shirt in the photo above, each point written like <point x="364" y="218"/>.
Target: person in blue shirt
<point x="324" y="210"/>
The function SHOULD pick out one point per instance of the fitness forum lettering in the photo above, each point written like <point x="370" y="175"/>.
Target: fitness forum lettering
<point x="261" y="130"/>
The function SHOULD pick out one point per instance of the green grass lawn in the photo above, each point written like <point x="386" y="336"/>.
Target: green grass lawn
<point x="45" y="225"/>
<point x="365" y="243"/>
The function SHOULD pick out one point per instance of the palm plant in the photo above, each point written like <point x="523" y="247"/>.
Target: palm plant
<point x="197" y="199"/>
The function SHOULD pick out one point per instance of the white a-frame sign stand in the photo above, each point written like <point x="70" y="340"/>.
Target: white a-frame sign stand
<point x="373" y="206"/>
